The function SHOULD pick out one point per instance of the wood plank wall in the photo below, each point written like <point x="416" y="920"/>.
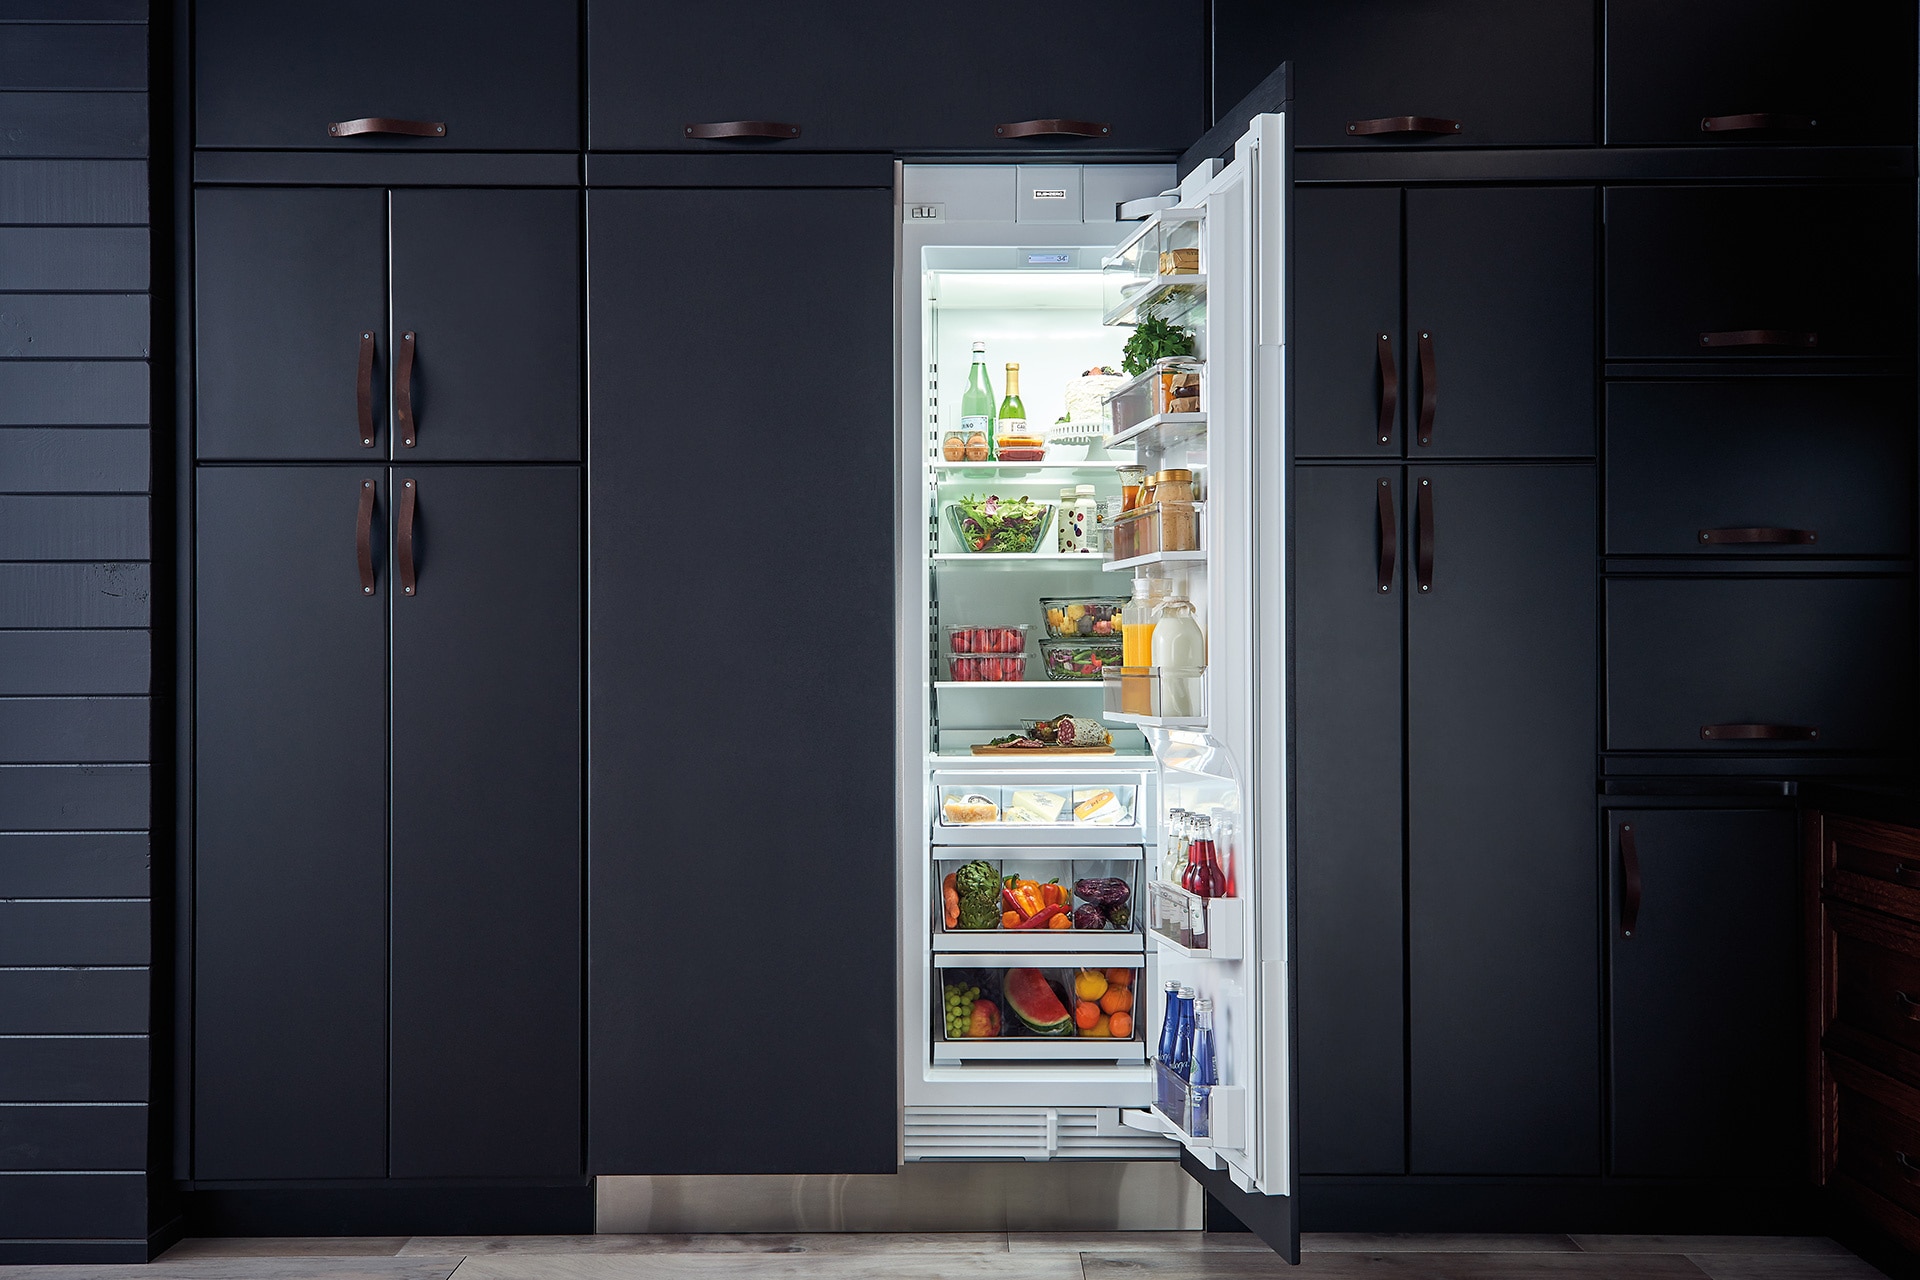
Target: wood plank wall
<point x="75" y="644"/>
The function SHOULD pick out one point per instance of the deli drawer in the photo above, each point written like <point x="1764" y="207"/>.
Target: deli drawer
<point x="1796" y="665"/>
<point x="1760" y="467"/>
<point x="1733" y="273"/>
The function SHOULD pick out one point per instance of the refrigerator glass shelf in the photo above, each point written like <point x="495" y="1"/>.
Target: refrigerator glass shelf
<point x="1156" y="722"/>
<point x="1156" y="557"/>
<point x="1161" y="431"/>
<point x="1017" y="560"/>
<point x="1172" y="298"/>
<point x="1031" y="941"/>
<point x="1086" y="957"/>
<point x="1054" y="853"/>
<point x="1096" y="470"/>
<point x="1123" y="759"/>
<point x="1054" y="686"/>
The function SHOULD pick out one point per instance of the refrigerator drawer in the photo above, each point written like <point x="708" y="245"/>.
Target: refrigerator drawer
<point x="1003" y="1008"/>
<point x="1066" y="920"/>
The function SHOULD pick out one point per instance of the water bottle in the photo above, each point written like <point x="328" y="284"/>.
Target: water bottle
<point x="1170" y="1023"/>
<point x="1182" y="1063"/>
<point x="1206" y="1070"/>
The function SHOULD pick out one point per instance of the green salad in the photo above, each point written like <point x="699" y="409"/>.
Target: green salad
<point x="994" y="523"/>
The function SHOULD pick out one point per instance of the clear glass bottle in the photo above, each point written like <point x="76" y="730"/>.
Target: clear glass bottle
<point x="1178" y="648"/>
<point x="976" y="410"/>
<point x="1206" y="1070"/>
<point x="1012" y="419"/>
<point x="1136" y="642"/>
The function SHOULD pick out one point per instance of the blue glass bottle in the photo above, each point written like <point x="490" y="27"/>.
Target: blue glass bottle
<point x="1182" y="1062"/>
<point x="1170" y="1023"/>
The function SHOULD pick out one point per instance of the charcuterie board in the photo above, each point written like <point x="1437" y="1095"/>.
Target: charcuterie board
<point x="980" y="749"/>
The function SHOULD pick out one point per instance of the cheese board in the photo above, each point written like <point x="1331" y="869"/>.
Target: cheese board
<point x="981" y="749"/>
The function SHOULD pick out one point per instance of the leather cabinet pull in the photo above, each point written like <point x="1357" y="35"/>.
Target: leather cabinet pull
<point x="1389" y="389"/>
<point x="403" y="536"/>
<point x="403" y="390"/>
<point x="1389" y="537"/>
<point x="363" y="537"/>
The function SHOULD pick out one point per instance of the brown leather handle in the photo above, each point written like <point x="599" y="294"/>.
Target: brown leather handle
<point x="1780" y="537"/>
<point x="1629" y="880"/>
<point x="403" y="536"/>
<point x="1053" y="129"/>
<point x="384" y="124"/>
<point x="1432" y="125"/>
<point x="403" y="389"/>
<point x="1908" y="1006"/>
<point x="363" y="389"/>
<point x="1755" y="120"/>
<point x="1389" y="389"/>
<point x="1759" y="338"/>
<point x="1429" y="388"/>
<point x="1908" y="1168"/>
<point x="1389" y="536"/>
<point x="1759" y="733"/>
<point x="1423" y="536"/>
<point x="363" y="537"/>
<point x="772" y="129"/>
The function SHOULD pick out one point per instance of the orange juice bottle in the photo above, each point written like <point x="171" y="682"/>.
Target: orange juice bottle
<point x="1136" y="643"/>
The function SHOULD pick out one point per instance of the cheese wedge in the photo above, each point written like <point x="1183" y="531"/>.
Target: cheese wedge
<point x="1035" y="806"/>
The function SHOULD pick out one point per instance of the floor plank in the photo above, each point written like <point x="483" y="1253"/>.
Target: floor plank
<point x="1391" y="1266"/>
<point x="1432" y="1242"/>
<point x="1709" y="1244"/>
<point x="1784" y="1266"/>
<point x="273" y="1268"/>
<point x="293" y="1247"/>
<point x="1131" y="1241"/>
<point x="775" y="1266"/>
<point x="838" y="1243"/>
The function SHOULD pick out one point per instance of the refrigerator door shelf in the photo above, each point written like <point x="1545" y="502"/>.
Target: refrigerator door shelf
<point x="1161" y="432"/>
<point x="1153" y="558"/>
<point x="1214" y="928"/>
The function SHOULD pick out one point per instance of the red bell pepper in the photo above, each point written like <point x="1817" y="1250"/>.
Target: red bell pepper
<point x="1040" y="918"/>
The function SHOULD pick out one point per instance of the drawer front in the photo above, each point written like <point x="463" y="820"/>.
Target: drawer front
<point x="1819" y="665"/>
<point x="1872" y="864"/>
<point x="1877" y="979"/>
<point x="1879" y="1134"/>
<point x="1684" y="280"/>
<point x="1780" y="467"/>
<point x="1676" y="71"/>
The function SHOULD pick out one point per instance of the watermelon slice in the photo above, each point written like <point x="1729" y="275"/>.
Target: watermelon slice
<point x="1032" y="1000"/>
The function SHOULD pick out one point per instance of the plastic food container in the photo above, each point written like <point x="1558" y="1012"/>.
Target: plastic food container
<point x="951" y="867"/>
<point x="1070" y="616"/>
<point x="969" y="806"/>
<point x="967" y="639"/>
<point x="1108" y="904"/>
<point x="1106" y="1003"/>
<point x="1000" y="526"/>
<point x="1081" y="658"/>
<point x="987" y="668"/>
<point x="968" y="1003"/>
<point x="1170" y="385"/>
<point x="1158" y="526"/>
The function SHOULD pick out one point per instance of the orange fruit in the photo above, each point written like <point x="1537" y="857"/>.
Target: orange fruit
<point x="1089" y="984"/>
<point x="1121" y="1025"/>
<point x="1104" y="1027"/>
<point x="1120" y="977"/>
<point x="1117" y="1000"/>
<point x="1085" y="1014"/>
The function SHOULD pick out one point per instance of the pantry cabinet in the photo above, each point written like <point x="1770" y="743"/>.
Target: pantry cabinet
<point x="1704" y="996"/>
<point x="1076" y="77"/>
<point x="742" y="806"/>
<point x="429" y="75"/>
<point x="347" y="324"/>
<point x="387" y="848"/>
<point x="1495" y="355"/>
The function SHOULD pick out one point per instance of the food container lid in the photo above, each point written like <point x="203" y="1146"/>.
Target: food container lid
<point x="1173" y="475"/>
<point x="1085" y="488"/>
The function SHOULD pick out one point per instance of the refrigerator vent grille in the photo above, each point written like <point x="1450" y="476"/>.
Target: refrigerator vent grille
<point x="1027" y="1133"/>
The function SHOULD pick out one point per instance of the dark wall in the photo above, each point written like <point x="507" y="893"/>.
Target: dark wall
<point x="75" y="642"/>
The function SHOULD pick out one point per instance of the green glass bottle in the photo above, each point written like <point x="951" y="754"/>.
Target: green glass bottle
<point x="976" y="409"/>
<point x="1013" y="411"/>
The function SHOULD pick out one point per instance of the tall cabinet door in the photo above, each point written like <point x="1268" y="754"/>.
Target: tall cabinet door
<point x="486" y="822"/>
<point x="742" y="738"/>
<point x="290" y="306"/>
<point x="487" y="283"/>
<point x="1350" y="370"/>
<point x="1500" y="286"/>
<point x="290" y="843"/>
<point x="1503" y="960"/>
<point x="1349" y="585"/>
<point x="1705" y="994"/>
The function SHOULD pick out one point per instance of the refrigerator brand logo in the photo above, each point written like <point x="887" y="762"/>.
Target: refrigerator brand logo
<point x="1049" y="193"/>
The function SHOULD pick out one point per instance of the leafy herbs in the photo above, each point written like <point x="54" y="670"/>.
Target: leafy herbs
<point x="1154" y="339"/>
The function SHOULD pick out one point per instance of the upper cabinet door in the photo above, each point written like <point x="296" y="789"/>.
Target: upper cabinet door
<point x="1721" y="71"/>
<point x="1730" y="273"/>
<point x="1499" y="344"/>
<point x="1507" y="72"/>
<point x="290" y="305"/>
<point x="486" y="326"/>
<point x="946" y="76"/>
<point x="1350" y="367"/>
<point x="491" y="75"/>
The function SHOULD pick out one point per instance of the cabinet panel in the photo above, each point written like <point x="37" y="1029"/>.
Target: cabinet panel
<point x="489" y="284"/>
<point x="1346" y="257"/>
<point x="1500" y="290"/>
<point x="716" y="744"/>
<point x="1834" y="75"/>
<point x="1503" y="961"/>
<point x="946" y="78"/>
<point x="286" y="282"/>
<point x="1512" y="73"/>
<point x="1682" y="281"/>
<point x="290" y="842"/>
<point x="1347" y="733"/>
<point x="1833" y="655"/>
<point x="1705" y="995"/>
<point x="487" y="827"/>
<point x="1828" y="457"/>
<point x="502" y="75"/>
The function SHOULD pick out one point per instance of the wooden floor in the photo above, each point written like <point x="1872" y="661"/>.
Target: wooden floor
<point x="1161" y="1255"/>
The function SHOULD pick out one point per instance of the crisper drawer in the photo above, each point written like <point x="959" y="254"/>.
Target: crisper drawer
<point x="1876" y="979"/>
<point x="1801" y="665"/>
<point x="1801" y="467"/>
<point x="1035" y="807"/>
<point x="1879" y="1133"/>
<point x="1015" y="1008"/>
<point x="1725" y="273"/>
<point x="1042" y="899"/>
<point x="1872" y="864"/>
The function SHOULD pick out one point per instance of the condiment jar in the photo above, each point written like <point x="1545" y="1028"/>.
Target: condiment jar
<point x="1132" y="481"/>
<point x="1173" y="485"/>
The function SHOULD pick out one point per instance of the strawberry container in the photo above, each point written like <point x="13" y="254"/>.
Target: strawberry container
<point x="994" y="640"/>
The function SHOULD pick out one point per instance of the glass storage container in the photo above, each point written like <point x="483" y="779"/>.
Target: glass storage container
<point x="993" y="525"/>
<point x="1158" y="526"/>
<point x="1080" y="657"/>
<point x="1064" y="617"/>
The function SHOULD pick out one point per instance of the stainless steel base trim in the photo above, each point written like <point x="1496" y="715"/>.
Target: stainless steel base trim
<point x="1081" y="1195"/>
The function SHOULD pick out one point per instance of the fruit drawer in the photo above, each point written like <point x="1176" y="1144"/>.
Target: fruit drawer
<point x="1040" y="1005"/>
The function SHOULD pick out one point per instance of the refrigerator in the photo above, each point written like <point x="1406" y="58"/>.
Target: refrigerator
<point x="1023" y="1037"/>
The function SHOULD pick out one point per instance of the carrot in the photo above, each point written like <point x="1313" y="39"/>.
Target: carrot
<point x="950" y="896"/>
